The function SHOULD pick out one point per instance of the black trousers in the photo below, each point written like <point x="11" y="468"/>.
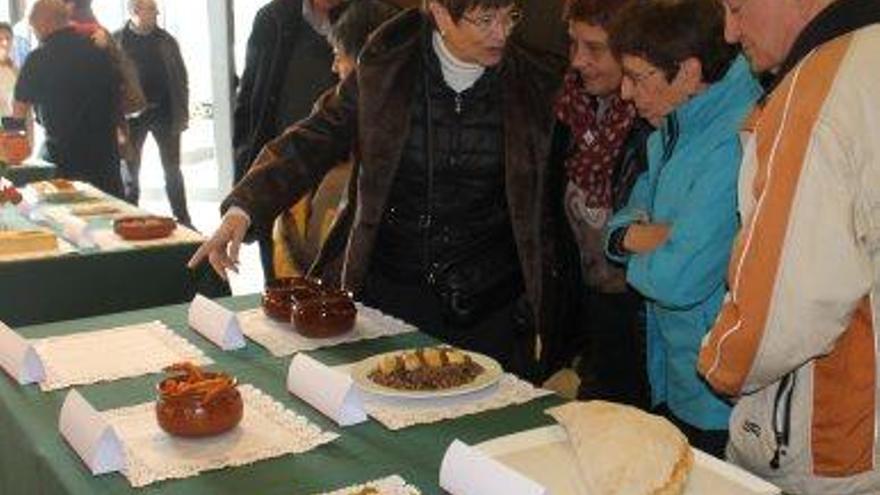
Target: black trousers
<point x="613" y="363"/>
<point x="507" y="334"/>
<point x="151" y="122"/>
<point x="713" y="442"/>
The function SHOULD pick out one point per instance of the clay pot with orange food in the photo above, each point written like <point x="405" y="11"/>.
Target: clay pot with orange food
<point x="314" y="310"/>
<point x="196" y="403"/>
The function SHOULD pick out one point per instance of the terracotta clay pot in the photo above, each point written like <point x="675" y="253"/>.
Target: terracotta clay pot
<point x="15" y="147"/>
<point x="278" y="295"/>
<point x="330" y="314"/>
<point x="314" y="310"/>
<point x="143" y="228"/>
<point x="197" y="415"/>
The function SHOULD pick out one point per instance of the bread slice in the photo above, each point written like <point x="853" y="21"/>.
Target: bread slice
<point x="622" y="450"/>
<point x="26" y="241"/>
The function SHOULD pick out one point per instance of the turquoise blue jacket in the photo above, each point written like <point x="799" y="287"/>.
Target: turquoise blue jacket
<point x="690" y="185"/>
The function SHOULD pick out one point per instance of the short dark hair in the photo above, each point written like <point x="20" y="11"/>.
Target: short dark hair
<point x="80" y="4"/>
<point x="457" y="8"/>
<point x="5" y="26"/>
<point x="595" y="12"/>
<point x="666" y="33"/>
<point x="356" y="21"/>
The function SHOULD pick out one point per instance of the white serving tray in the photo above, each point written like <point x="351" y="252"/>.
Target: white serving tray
<point x="545" y="455"/>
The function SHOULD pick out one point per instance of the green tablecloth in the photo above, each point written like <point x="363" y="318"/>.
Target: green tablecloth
<point x="35" y="459"/>
<point x="30" y="171"/>
<point x="91" y="282"/>
<point x="80" y="285"/>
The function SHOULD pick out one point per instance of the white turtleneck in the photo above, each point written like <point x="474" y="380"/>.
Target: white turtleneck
<point x="457" y="74"/>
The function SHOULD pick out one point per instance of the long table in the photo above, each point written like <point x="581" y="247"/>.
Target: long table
<point x="31" y="170"/>
<point x="76" y="283"/>
<point x="35" y="459"/>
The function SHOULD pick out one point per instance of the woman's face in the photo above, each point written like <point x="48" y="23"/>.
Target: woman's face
<point x="592" y="58"/>
<point x="5" y="43"/>
<point x="651" y="92"/>
<point x="480" y="36"/>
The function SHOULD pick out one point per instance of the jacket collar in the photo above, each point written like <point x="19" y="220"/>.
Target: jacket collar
<point x="720" y="98"/>
<point x="839" y="18"/>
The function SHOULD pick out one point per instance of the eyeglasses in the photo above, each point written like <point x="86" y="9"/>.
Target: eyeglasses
<point x="487" y="20"/>
<point x="638" y="79"/>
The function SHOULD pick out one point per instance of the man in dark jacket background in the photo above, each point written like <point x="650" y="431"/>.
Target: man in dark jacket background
<point x="450" y="228"/>
<point x="73" y="86"/>
<point x="163" y="77"/>
<point x="287" y="66"/>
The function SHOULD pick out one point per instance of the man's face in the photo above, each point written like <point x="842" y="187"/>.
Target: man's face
<point x="591" y="57"/>
<point x="480" y="36"/>
<point x="145" y="14"/>
<point x="766" y="30"/>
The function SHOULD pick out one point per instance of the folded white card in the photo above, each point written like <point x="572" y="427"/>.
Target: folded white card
<point x="328" y="390"/>
<point x="18" y="357"/>
<point x="468" y="471"/>
<point x="216" y="323"/>
<point x="76" y="230"/>
<point x="90" y="435"/>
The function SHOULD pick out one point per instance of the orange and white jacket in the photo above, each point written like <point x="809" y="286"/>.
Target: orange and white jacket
<point x="796" y="341"/>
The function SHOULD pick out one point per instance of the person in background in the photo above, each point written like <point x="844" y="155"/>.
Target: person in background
<point x="450" y="124"/>
<point x="131" y="96"/>
<point x="602" y="158"/>
<point x="300" y="232"/>
<point x="676" y="230"/>
<point x="23" y="40"/>
<point x="163" y="77"/>
<point x="795" y="343"/>
<point x="8" y="70"/>
<point x="72" y="85"/>
<point x="287" y="66"/>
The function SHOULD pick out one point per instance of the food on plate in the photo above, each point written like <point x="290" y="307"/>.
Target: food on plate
<point x="27" y="241"/>
<point x="58" y="190"/>
<point x="622" y="450"/>
<point x="94" y="210"/>
<point x="144" y="227"/>
<point x="434" y="368"/>
<point x="367" y="491"/>
<point x="197" y="403"/>
<point x="316" y="311"/>
<point x="9" y="194"/>
<point x="54" y="186"/>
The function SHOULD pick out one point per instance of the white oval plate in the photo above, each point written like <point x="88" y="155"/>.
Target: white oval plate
<point x="361" y="370"/>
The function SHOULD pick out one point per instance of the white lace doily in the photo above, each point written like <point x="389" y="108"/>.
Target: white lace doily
<point x="105" y="355"/>
<point x="398" y="413"/>
<point x="392" y="485"/>
<point x="281" y="340"/>
<point x="267" y="430"/>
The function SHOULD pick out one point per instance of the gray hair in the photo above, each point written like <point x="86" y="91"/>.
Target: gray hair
<point x="52" y="12"/>
<point x="132" y="4"/>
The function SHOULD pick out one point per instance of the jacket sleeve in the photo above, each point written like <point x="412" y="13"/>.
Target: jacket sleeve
<point x="636" y="210"/>
<point x="295" y="162"/>
<point x="258" y="46"/>
<point x="797" y="274"/>
<point x="691" y="264"/>
<point x="183" y="83"/>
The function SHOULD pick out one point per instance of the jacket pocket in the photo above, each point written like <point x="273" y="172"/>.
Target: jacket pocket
<point x="752" y="437"/>
<point x="781" y="419"/>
